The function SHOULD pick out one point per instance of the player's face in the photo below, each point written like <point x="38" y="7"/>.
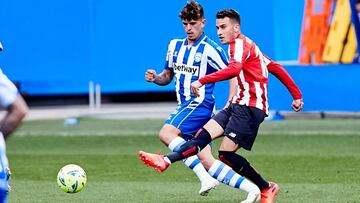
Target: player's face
<point x="193" y="29"/>
<point x="227" y="30"/>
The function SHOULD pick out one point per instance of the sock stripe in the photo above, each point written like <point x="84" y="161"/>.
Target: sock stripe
<point x="228" y="177"/>
<point x="234" y="179"/>
<point x="218" y="171"/>
<point x="238" y="182"/>
<point x="194" y="163"/>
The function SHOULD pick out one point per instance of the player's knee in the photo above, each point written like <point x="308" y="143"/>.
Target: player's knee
<point x="203" y="138"/>
<point x="166" y="136"/>
<point x="162" y="135"/>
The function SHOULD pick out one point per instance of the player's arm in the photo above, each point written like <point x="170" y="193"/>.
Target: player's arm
<point x="166" y="76"/>
<point x="162" y="79"/>
<point x="231" y="71"/>
<point x="280" y="73"/>
<point x="232" y="91"/>
<point x="237" y="58"/>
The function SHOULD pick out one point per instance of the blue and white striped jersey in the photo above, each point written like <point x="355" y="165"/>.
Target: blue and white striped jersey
<point x="189" y="63"/>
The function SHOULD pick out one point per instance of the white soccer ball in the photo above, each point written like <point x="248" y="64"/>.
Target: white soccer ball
<point x="71" y="178"/>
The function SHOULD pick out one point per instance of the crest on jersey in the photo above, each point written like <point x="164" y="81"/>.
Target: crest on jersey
<point x="197" y="57"/>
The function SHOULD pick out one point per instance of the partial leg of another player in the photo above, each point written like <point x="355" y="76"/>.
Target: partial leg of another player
<point x="169" y="136"/>
<point x="3" y="175"/>
<point x="16" y="111"/>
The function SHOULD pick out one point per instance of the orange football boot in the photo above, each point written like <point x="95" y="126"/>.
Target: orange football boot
<point x="268" y="195"/>
<point x="155" y="161"/>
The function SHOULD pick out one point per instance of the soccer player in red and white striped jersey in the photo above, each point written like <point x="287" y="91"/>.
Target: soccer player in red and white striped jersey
<point x="240" y="121"/>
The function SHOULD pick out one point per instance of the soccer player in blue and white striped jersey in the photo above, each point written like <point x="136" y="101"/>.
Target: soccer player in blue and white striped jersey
<point x="16" y="108"/>
<point x="187" y="60"/>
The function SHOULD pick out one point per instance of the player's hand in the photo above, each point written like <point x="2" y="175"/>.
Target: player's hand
<point x="297" y="105"/>
<point x="150" y="75"/>
<point x="195" y="88"/>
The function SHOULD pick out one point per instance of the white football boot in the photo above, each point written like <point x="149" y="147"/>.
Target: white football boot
<point x="208" y="185"/>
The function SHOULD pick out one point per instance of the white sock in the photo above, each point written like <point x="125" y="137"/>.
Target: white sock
<point x="3" y="158"/>
<point x="192" y="162"/>
<point x="4" y="163"/>
<point x="228" y="176"/>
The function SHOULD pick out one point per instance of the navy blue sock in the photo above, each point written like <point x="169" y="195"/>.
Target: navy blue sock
<point x="191" y="147"/>
<point x="243" y="167"/>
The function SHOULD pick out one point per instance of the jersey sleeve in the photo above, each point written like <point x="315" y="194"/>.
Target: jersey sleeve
<point x="217" y="57"/>
<point x="169" y="55"/>
<point x="280" y="73"/>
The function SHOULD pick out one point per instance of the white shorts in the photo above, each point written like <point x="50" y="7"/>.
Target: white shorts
<point x="8" y="91"/>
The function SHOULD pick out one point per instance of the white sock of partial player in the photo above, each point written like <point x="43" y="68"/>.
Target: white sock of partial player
<point x="228" y="176"/>
<point x="192" y="162"/>
<point x="3" y="158"/>
<point x="4" y="163"/>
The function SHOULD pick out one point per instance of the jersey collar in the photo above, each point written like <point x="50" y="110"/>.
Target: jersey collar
<point x="202" y="36"/>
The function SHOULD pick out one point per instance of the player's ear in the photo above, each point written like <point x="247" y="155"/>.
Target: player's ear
<point x="203" y="22"/>
<point x="236" y="27"/>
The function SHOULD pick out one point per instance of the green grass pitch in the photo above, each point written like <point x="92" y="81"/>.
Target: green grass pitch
<point x="313" y="161"/>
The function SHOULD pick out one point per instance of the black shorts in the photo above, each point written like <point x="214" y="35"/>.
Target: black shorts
<point x="240" y="123"/>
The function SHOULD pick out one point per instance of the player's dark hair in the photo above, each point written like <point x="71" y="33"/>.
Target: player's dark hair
<point x="230" y="13"/>
<point x="192" y="11"/>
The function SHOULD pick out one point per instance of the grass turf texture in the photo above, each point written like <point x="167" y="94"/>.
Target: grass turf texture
<point x="313" y="161"/>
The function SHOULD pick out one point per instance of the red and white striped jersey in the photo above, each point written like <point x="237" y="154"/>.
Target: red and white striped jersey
<point x="251" y="68"/>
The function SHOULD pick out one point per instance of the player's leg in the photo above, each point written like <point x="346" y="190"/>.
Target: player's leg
<point x="227" y="175"/>
<point x="3" y="173"/>
<point x="195" y="145"/>
<point x="203" y="137"/>
<point x="241" y="131"/>
<point x="239" y="164"/>
<point x="211" y="130"/>
<point x="169" y="136"/>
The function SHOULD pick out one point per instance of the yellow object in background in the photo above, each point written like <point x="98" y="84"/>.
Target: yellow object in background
<point x="350" y="47"/>
<point x="338" y="32"/>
